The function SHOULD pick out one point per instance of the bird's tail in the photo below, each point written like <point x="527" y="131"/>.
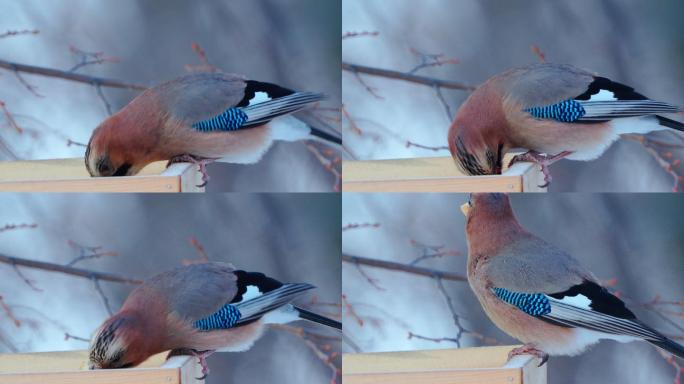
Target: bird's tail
<point x="263" y="112"/>
<point x="310" y="316"/>
<point x="255" y="308"/>
<point x="669" y="123"/>
<point x="669" y="346"/>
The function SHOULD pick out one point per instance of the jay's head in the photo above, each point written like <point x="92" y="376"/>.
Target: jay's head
<point x="119" y="343"/>
<point x="115" y="149"/>
<point x="485" y="211"/>
<point x="474" y="154"/>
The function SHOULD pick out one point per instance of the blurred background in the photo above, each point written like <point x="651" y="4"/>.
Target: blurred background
<point x="633" y="243"/>
<point x="635" y="42"/>
<point x="294" y="43"/>
<point x="291" y="237"/>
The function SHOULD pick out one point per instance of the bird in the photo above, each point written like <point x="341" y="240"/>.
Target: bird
<point x="540" y="294"/>
<point x="553" y="111"/>
<point x="200" y="118"/>
<point x="197" y="310"/>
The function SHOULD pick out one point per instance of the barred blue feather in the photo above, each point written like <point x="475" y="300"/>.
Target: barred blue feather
<point x="535" y="304"/>
<point x="566" y="111"/>
<point x="230" y="120"/>
<point x="224" y="318"/>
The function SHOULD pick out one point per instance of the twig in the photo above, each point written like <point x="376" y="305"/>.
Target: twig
<point x="431" y="251"/>
<point x="90" y="58"/>
<point x="205" y="66"/>
<point x="412" y="335"/>
<point x="351" y="311"/>
<point x="88" y="253"/>
<point x="660" y="158"/>
<point x="397" y="75"/>
<point x="456" y="318"/>
<point x="76" y="143"/>
<point x="203" y="257"/>
<point x="428" y="60"/>
<point x="50" y="72"/>
<point x="31" y="88"/>
<point x="360" y="225"/>
<point x="105" y="300"/>
<point x="26" y="280"/>
<point x="86" y="273"/>
<point x="370" y="280"/>
<point x="9" y="312"/>
<point x="10" y="119"/>
<point x="330" y="163"/>
<point x="22" y="32"/>
<point x="348" y="35"/>
<point x="108" y="106"/>
<point x="68" y="336"/>
<point x="395" y="266"/>
<point x="538" y="52"/>
<point x="9" y="227"/>
<point x="410" y="144"/>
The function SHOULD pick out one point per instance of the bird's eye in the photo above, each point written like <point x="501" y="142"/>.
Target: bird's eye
<point x="103" y="167"/>
<point x="122" y="170"/>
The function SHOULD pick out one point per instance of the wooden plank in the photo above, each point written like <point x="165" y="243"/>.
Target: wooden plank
<point x="71" y="367"/>
<point x="445" y="366"/>
<point x="70" y="175"/>
<point x="432" y="174"/>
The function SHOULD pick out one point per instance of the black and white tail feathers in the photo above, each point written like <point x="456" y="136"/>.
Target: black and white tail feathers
<point x="265" y="101"/>
<point x="259" y="294"/>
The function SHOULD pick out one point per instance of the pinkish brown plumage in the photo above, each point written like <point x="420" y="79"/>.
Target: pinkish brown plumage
<point x="553" y="111"/>
<point x="539" y="294"/>
<point x="196" y="309"/>
<point x="200" y="118"/>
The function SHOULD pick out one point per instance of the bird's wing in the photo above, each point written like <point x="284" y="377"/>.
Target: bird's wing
<point x="568" y="94"/>
<point x="196" y="291"/>
<point x="196" y="97"/>
<point x="529" y="265"/>
<point x="585" y="305"/>
<point x="257" y="294"/>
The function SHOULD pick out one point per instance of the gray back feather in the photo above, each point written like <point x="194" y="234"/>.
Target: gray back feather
<point x="544" y="84"/>
<point x="531" y="265"/>
<point x="196" y="291"/>
<point x="201" y="96"/>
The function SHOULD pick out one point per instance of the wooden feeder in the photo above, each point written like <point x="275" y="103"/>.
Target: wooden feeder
<point x="70" y="175"/>
<point x="70" y="367"/>
<point x="435" y="174"/>
<point x="443" y="366"/>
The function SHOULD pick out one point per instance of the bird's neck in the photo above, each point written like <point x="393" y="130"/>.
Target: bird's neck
<point x="487" y="236"/>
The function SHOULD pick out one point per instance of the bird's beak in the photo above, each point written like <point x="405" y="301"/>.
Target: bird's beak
<point x="465" y="208"/>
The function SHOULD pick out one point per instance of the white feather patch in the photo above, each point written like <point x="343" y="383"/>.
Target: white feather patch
<point x="579" y="301"/>
<point x="603" y="95"/>
<point x="252" y="292"/>
<point x="580" y="340"/>
<point x="282" y="315"/>
<point x="640" y="125"/>
<point x="289" y="128"/>
<point x="259" y="97"/>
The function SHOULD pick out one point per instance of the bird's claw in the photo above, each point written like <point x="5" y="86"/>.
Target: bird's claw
<point x="544" y="161"/>
<point x="529" y="349"/>
<point x="199" y="161"/>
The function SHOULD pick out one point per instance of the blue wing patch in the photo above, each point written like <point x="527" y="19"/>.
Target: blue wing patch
<point x="230" y="120"/>
<point x="566" y="111"/>
<point x="535" y="304"/>
<point x="224" y="318"/>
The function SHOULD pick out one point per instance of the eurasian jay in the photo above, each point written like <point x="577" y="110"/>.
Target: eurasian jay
<point x="197" y="309"/>
<point x="554" y="111"/>
<point x="199" y="118"/>
<point x="539" y="294"/>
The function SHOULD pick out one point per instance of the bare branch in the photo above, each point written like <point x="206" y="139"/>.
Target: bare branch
<point x="88" y="253"/>
<point x="9" y="227"/>
<point x="105" y="300"/>
<point x="22" y="32"/>
<point x="9" y="313"/>
<point x="397" y="75"/>
<point x="348" y="35"/>
<point x="360" y="225"/>
<point x="395" y="266"/>
<point x="86" y="273"/>
<point x="50" y="72"/>
<point x="68" y="336"/>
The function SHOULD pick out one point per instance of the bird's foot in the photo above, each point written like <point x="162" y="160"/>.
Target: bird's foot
<point x="202" y="356"/>
<point x="201" y="162"/>
<point x="529" y="349"/>
<point x="544" y="161"/>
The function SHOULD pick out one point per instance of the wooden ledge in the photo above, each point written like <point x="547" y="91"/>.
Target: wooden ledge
<point x="70" y="367"/>
<point x="443" y="366"/>
<point x="435" y="174"/>
<point x="70" y="175"/>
